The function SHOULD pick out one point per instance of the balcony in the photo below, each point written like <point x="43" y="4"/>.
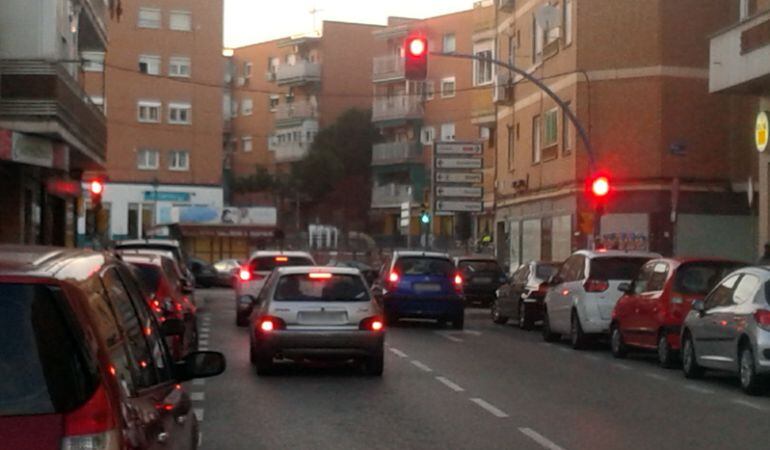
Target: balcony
<point x="390" y="195"/>
<point x="287" y="152"/>
<point x="388" y="68"/>
<point x="293" y="114"/>
<point x="400" y="107"/>
<point x="396" y="153"/>
<point x="40" y="97"/>
<point x="292" y="144"/>
<point x="740" y="57"/>
<point x="302" y="72"/>
<point x="92" y="33"/>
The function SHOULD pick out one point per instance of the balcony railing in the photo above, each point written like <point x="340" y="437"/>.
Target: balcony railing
<point x="290" y="151"/>
<point x="397" y="107"/>
<point x="396" y="153"/>
<point x="93" y="29"/>
<point x="390" y="195"/>
<point x="388" y="68"/>
<point x="300" y="73"/>
<point x="290" y="113"/>
<point x="43" y="97"/>
<point x="740" y="56"/>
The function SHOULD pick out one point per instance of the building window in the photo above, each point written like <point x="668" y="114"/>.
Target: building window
<point x="511" y="139"/>
<point x="537" y="41"/>
<point x="149" y="111"/>
<point x="482" y="70"/>
<point x="247" y="106"/>
<point x="430" y="89"/>
<point x="274" y="101"/>
<point x="149" y="18"/>
<point x="746" y="9"/>
<point x="179" y="160"/>
<point x="447" y="132"/>
<point x="450" y="43"/>
<point x="93" y="61"/>
<point x="179" y="113"/>
<point x="180" y="21"/>
<point x="448" y="87"/>
<point x="247" y="68"/>
<point x="147" y="159"/>
<point x="566" y="134"/>
<point x="536" y="150"/>
<point x="234" y="108"/>
<point x="427" y="135"/>
<point x="289" y="98"/>
<point x="179" y="66"/>
<point x="98" y="100"/>
<point x="246" y="144"/>
<point x="568" y="21"/>
<point x="550" y="128"/>
<point x="149" y="64"/>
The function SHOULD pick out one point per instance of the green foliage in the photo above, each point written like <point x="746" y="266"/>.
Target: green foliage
<point x="260" y="181"/>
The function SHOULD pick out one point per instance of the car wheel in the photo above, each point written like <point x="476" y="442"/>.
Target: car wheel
<point x="665" y="352"/>
<point x="750" y="381"/>
<point x="496" y="316"/>
<point x="578" y="338"/>
<point x="264" y="364"/>
<point x="241" y="320"/>
<point x="690" y="365"/>
<point x="375" y="364"/>
<point x="548" y="335"/>
<point x="459" y="322"/>
<point x="617" y="346"/>
<point x="525" y="321"/>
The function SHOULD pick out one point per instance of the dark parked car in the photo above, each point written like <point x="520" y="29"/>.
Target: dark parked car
<point x="227" y="272"/>
<point x="521" y="297"/>
<point x="163" y="245"/>
<point x="369" y="273"/>
<point x="481" y="277"/>
<point x="84" y="363"/>
<point x="205" y="274"/>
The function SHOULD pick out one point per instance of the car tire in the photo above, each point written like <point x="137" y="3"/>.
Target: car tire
<point x="690" y="365"/>
<point x="578" y="338"/>
<point x="264" y="365"/>
<point x="548" y="335"/>
<point x="375" y="364"/>
<point x="496" y="316"/>
<point x="747" y="370"/>
<point x="666" y="355"/>
<point x="617" y="345"/>
<point x="459" y="322"/>
<point x="525" y="319"/>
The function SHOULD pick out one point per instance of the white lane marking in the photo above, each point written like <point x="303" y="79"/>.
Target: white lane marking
<point x="198" y="414"/>
<point x="490" y="408"/>
<point x="203" y="336"/>
<point x="540" y="439"/>
<point x="203" y="349"/>
<point x="472" y="332"/>
<point x="398" y="352"/>
<point x="203" y="342"/>
<point x="698" y="389"/>
<point x="451" y="385"/>
<point x="448" y="336"/>
<point x="742" y="402"/>
<point x="593" y="357"/>
<point x="621" y="366"/>
<point x="205" y="329"/>
<point x="421" y="366"/>
<point x="199" y="382"/>
<point x="197" y="396"/>
<point x="200" y="438"/>
<point x="564" y="349"/>
<point x="656" y="376"/>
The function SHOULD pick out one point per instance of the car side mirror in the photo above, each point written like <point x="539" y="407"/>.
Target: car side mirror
<point x="173" y="327"/>
<point x="200" y="365"/>
<point x="699" y="307"/>
<point x="625" y="287"/>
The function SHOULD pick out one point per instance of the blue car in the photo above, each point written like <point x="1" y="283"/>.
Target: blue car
<point x="422" y="285"/>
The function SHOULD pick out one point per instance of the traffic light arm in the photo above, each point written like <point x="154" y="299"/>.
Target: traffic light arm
<point x="564" y="106"/>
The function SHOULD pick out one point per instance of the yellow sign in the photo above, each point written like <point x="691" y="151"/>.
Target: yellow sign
<point x="761" y="131"/>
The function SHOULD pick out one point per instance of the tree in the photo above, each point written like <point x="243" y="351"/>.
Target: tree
<point x="260" y="181"/>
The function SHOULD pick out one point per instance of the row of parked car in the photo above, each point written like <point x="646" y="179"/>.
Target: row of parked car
<point x="700" y="313"/>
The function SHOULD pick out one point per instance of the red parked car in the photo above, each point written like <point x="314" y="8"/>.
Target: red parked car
<point x="650" y="314"/>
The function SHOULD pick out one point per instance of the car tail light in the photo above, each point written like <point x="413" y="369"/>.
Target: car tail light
<point x="93" y="425"/>
<point x="372" y="324"/>
<point x="268" y="324"/>
<point x="244" y="275"/>
<point x="281" y="259"/>
<point x="592" y="285"/>
<point x="320" y="276"/>
<point x="458" y="282"/>
<point x="762" y="317"/>
<point x="393" y="277"/>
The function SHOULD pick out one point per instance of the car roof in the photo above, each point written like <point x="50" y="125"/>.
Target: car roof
<point x="680" y="260"/>
<point x="301" y="270"/>
<point x="475" y="258"/>
<point x="51" y="262"/>
<point x="616" y="253"/>
<point x="268" y="253"/>
<point x="168" y="242"/>
<point x="142" y="258"/>
<point x="413" y="253"/>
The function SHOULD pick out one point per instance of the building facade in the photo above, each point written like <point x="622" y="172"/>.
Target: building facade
<point x="50" y="132"/>
<point x="163" y="84"/>
<point x="636" y="75"/>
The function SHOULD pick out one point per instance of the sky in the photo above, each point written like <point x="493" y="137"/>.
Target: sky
<point x="251" y="21"/>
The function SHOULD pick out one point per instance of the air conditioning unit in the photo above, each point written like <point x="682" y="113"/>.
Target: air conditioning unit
<point x="240" y="81"/>
<point x="505" y="5"/>
<point x="502" y="92"/>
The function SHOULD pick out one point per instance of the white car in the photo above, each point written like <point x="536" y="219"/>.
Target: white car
<point x="582" y="295"/>
<point x="251" y="277"/>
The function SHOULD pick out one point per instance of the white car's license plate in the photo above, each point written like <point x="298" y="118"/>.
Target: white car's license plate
<point x="322" y="317"/>
<point x="427" y="287"/>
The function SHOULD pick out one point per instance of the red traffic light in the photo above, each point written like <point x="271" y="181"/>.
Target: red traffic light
<point x="600" y="187"/>
<point x="417" y="46"/>
<point x="416" y="57"/>
<point x="96" y="187"/>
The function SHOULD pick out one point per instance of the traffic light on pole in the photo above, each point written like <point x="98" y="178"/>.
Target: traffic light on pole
<point x="416" y="57"/>
<point x="599" y="188"/>
<point x="424" y="215"/>
<point x="96" y="189"/>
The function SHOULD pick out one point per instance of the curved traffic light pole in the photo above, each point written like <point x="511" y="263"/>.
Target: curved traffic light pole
<point x="564" y="106"/>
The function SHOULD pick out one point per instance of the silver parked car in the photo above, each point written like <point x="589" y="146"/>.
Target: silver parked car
<point x="730" y="329"/>
<point x="316" y="313"/>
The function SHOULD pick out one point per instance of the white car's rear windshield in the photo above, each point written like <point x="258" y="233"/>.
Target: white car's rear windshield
<point x="320" y="287"/>
<point x="616" y="268"/>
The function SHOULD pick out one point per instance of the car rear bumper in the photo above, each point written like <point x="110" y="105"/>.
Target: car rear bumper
<point x="480" y="294"/>
<point x="320" y="344"/>
<point x="433" y="308"/>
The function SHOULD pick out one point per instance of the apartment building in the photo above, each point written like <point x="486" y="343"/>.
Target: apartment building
<point x="636" y="74"/>
<point x="288" y="89"/>
<point x="453" y="104"/>
<point x="163" y="86"/>
<point x="50" y="132"/>
<point x="740" y="66"/>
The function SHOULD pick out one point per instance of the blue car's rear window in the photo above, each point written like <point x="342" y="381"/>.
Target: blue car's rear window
<point x="422" y="265"/>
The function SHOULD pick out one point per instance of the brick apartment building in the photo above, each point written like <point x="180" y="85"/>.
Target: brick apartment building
<point x="454" y="103"/>
<point x="637" y="76"/>
<point x="162" y="95"/>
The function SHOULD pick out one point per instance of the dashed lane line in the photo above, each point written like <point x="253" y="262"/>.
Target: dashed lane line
<point x="656" y="376"/>
<point x="752" y="405"/>
<point x="421" y="366"/>
<point x="698" y="389"/>
<point x="398" y="352"/>
<point x="621" y="366"/>
<point x="197" y="396"/>
<point x="593" y="357"/>
<point x="540" y="439"/>
<point x="199" y="382"/>
<point x="450" y="384"/>
<point x="448" y="336"/>
<point x="473" y="332"/>
<point x="198" y="414"/>
<point x="490" y="408"/>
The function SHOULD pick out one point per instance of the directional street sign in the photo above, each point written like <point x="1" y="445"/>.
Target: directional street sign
<point x="459" y="177"/>
<point x="459" y="191"/>
<point x="405" y="213"/>
<point x="459" y="148"/>
<point x="459" y="206"/>
<point x="458" y="163"/>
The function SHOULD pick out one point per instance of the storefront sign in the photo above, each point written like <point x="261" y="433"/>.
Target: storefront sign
<point x="761" y="131"/>
<point x="263" y="216"/>
<point x="32" y="150"/>
<point x="161" y="196"/>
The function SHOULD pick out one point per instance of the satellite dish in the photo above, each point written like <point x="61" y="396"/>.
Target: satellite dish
<point x="548" y="17"/>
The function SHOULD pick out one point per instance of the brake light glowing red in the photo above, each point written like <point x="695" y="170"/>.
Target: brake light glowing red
<point x="244" y="274"/>
<point x="377" y="325"/>
<point x="762" y="317"/>
<point x="281" y="259"/>
<point x="592" y="285"/>
<point x="393" y="277"/>
<point x="320" y="276"/>
<point x="458" y="280"/>
<point x="267" y="325"/>
<point x="94" y="417"/>
<point x="374" y="323"/>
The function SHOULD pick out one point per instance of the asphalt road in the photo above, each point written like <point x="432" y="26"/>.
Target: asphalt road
<point x="486" y="387"/>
